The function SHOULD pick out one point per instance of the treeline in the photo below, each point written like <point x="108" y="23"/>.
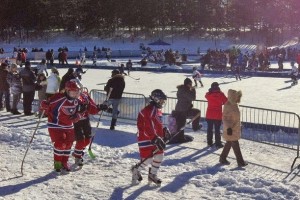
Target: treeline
<point x="104" y="17"/>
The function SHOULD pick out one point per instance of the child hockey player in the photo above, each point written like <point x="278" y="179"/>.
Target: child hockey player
<point x="294" y="73"/>
<point x="62" y="111"/>
<point x="82" y="128"/>
<point x="150" y="138"/>
<point x="197" y="76"/>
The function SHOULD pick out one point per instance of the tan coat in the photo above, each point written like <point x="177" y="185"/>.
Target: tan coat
<point x="231" y="116"/>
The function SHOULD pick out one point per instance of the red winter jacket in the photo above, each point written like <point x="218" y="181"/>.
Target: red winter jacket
<point x="215" y="99"/>
<point x="149" y="127"/>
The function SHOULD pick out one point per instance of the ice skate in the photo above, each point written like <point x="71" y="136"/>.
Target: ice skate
<point x="79" y="162"/>
<point x="152" y="178"/>
<point x="57" y="167"/>
<point x="66" y="167"/>
<point x="136" y="175"/>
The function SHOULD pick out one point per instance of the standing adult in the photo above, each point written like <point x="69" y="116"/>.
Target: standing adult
<point x="53" y="82"/>
<point x="117" y="84"/>
<point x="68" y="76"/>
<point x="232" y="128"/>
<point x="215" y="99"/>
<point x="15" y="84"/>
<point x="186" y="93"/>
<point x="129" y="66"/>
<point x="28" y="80"/>
<point x="4" y="87"/>
<point x="42" y="83"/>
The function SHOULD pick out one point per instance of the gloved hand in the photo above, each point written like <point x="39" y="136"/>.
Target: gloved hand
<point x="81" y="108"/>
<point x="102" y="107"/>
<point x="159" y="143"/>
<point x="167" y="133"/>
<point x="75" y="117"/>
<point x="229" y="131"/>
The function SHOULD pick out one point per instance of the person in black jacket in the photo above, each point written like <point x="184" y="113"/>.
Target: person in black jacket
<point x="116" y="84"/>
<point x="28" y="80"/>
<point x="68" y="76"/>
<point x="4" y="87"/>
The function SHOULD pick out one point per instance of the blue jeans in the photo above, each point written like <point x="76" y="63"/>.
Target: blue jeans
<point x="115" y="105"/>
<point x="7" y="99"/>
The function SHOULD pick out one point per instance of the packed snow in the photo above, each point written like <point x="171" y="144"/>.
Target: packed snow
<point x="189" y="170"/>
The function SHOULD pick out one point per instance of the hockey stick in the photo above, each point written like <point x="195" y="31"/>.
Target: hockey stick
<point x="29" y="144"/>
<point x="167" y="141"/>
<point x="137" y="79"/>
<point x="91" y="154"/>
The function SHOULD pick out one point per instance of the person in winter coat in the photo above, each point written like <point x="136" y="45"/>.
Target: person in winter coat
<point x="53" y="82"/>
<point x="41" y="67"/>
<point x="62" y="111"/>
<point x="215" y="99"/>
<point x="129" y="66"/>
<point x="15" y="83"/>
<point x="42" y="83"/>
<point x="186" y="93"/>
<point x="28" y="80"/>
<point x="151" y="137"/>
<point x="117" y="85"/>
<point x="4" y="87"/>
<point x="232" y="128"/>
<point x="67" y="77"/>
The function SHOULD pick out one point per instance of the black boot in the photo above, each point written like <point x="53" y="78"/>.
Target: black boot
<point x="113" y="124"/>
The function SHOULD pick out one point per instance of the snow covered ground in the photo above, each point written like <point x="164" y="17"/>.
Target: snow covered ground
<point x="189" y="171"/>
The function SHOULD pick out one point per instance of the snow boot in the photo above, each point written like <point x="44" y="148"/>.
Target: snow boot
<point x="136" y="175"/>
<point x="113" y="124"/>
<point x="152" y="178"/>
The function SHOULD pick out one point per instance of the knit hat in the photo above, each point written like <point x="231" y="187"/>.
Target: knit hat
<point x="187" y="81"/>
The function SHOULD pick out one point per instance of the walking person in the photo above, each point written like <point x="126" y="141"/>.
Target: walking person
<point x="4" y="87"/>
<point x="216" y="99"/>
<point x="150" y="137"/>
<point x="28" y="80"/>
<point x="42" y="67"/>
<point x="232" y="128"/>
<point x="15" y="83"/>
<point x="117" y="83"/>
<point x="62" y="112"/>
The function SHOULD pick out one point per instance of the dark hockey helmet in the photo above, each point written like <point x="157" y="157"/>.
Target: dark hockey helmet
<point x="158" y="98"/>
<point x="73" y="89"/>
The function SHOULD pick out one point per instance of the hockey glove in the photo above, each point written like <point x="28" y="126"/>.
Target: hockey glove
<point x="159" y="143"/>
<point x="229" y="131"/>
<point x="82" y="108"/>
<point x="102" y="107"/>
<point x="167" y="134"/>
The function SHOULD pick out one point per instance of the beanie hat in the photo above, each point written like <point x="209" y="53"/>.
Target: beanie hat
<point x="187" y="81"/>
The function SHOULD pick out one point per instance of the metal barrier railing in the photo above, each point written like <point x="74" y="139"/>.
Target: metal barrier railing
<point x="274" y="127"/>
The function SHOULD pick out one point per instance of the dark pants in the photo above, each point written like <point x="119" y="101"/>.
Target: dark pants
<point x="236" y="149"/>
<point x="15" y="101"/>
<point x="213" y="123"/>
<point x="7" y="99"/>
<point x="82" y="129"/>
<point x="28" y="98"/>
<point x="181" y="120"/>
